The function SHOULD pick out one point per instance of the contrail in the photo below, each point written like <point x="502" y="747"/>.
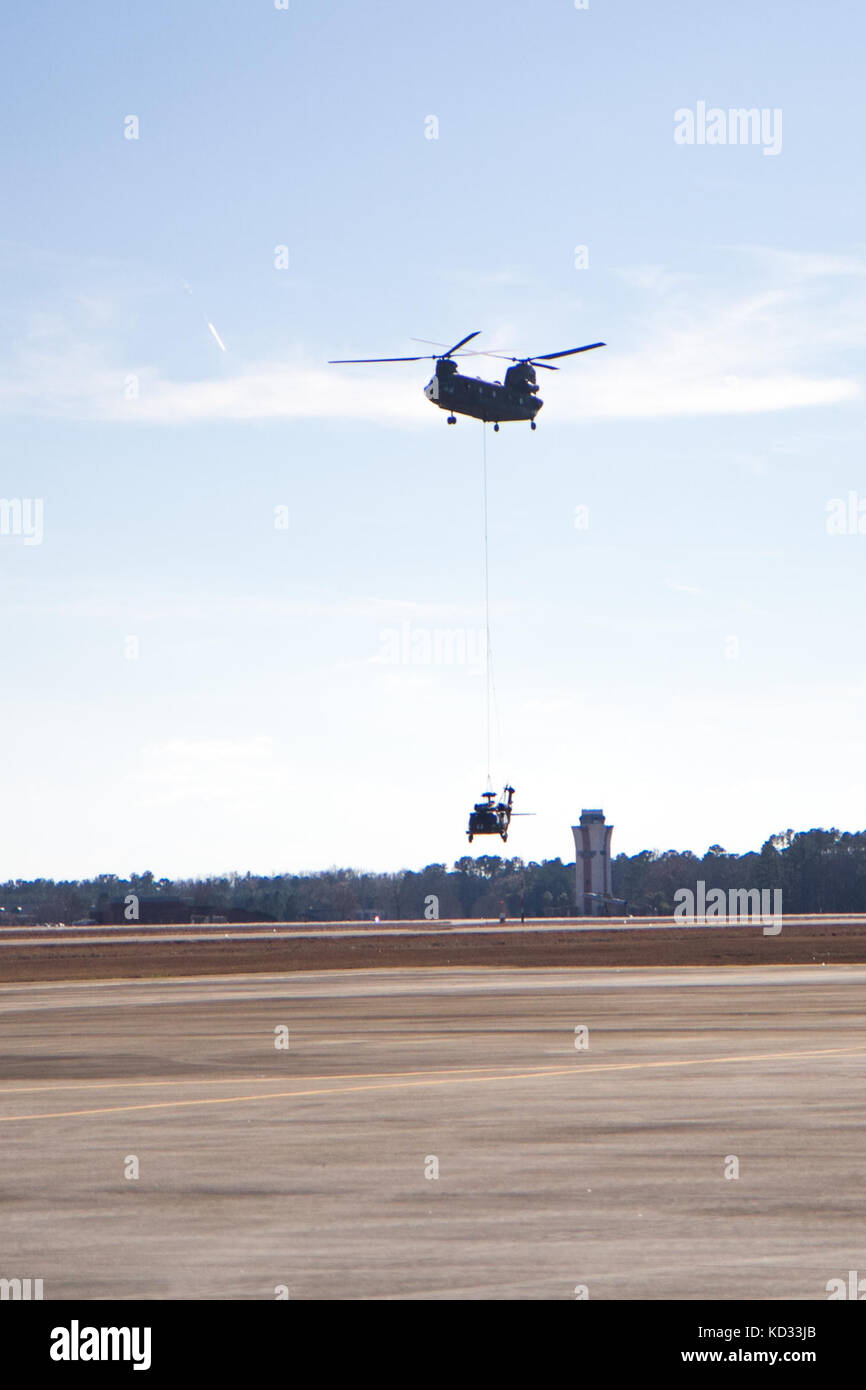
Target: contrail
<point x="217" y="336"/>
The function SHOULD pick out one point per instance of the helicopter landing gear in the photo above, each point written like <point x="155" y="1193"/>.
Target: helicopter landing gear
<point x="532" y="425"/>
<point x="496" y="428"/>
<point x="452" y="419"/>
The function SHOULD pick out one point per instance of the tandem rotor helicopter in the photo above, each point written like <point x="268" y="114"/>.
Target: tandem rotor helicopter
<point x="515" y="398"/>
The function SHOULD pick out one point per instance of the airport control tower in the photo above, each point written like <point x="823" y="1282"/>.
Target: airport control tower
<point x="592" y="862"/>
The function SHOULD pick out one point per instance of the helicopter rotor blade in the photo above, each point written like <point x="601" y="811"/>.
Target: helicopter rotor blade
<point x="424" y="357"/>
<point x="474" y="352"/>
<point x="542" y="359"/>
<point x="467" y="339"/>
<point x="569" y="352"/>
<point x="337" y="361"/>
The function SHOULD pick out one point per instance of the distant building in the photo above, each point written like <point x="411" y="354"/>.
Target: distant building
<point x="592" y="863"/>
<point x="17" y="917"/>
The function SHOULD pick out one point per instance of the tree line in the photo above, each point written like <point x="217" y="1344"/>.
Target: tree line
<point x="816" y="870"/>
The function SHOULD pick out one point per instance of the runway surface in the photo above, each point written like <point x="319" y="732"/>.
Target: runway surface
<point x="312" y="1168"/>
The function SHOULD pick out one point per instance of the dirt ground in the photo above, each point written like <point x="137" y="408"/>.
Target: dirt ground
<point x="185" y="952"/>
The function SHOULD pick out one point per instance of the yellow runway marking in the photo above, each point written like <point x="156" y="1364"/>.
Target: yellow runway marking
<point x="232" y="1080"/>
<point x="444" y="1081"/>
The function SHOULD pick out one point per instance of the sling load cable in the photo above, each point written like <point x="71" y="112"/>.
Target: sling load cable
<point x="488" y="652"/>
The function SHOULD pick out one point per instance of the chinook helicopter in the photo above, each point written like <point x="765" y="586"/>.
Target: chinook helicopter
<point x="514" y="399"/>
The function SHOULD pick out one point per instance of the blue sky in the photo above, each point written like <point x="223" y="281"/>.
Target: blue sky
<point x="689" y="659"/>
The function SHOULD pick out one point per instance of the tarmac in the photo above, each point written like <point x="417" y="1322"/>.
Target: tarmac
<point x="448" y="1133"/>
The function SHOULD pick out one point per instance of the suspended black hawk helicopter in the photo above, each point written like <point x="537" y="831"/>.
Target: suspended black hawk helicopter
<point x="489" y="819"/>
<point x="486" y="818"/>
<point x="515" y="398"/>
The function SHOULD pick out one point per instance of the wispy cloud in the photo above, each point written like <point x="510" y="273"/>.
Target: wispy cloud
<point x="178" y="770"/>
<point x="694" y="351"/>
<point x="679" y="588"/>
<point x="219" y="607"/>
<point x="808" y="264"/>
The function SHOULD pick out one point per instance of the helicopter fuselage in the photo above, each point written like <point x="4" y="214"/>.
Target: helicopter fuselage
<point x="489" y="819"/>
<point x="483" y="400"/>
